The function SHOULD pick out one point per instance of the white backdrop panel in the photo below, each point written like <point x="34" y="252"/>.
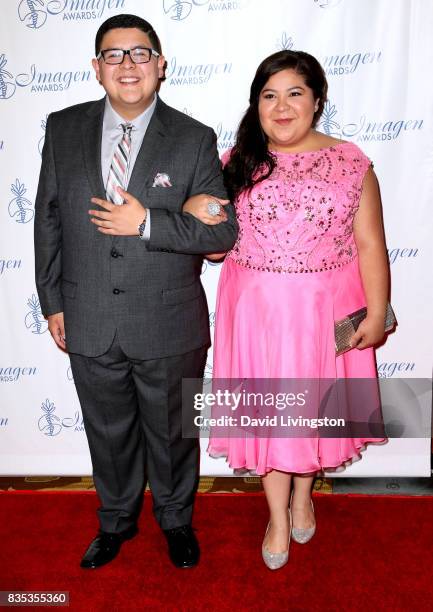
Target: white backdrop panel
<point x="378" y="57"/>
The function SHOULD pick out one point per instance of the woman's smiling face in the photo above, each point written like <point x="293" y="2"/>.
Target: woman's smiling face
<point x="286" y="109"/>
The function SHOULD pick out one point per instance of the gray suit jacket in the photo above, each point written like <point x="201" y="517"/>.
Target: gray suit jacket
<point x="150" y="293"/>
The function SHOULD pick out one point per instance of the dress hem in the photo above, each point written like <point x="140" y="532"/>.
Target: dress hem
<point x="340" y="467"/>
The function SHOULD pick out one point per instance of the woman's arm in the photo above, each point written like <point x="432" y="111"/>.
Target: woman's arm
<point x="215" y="256"/>
<point x="197" y="206"/>
<point x="373" y="263"/>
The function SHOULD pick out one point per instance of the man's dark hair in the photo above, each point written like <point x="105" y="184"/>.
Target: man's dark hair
<point x="127" y="21"/>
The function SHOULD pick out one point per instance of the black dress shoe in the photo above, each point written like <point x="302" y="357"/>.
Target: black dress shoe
<point x="183" y="547"/>
<point x="105" y="547"/>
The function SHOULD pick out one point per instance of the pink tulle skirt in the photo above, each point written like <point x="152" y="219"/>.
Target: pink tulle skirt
<point x="281" y="326"/>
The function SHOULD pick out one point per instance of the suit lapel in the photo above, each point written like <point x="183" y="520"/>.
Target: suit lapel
<point x="148" y="160"/>
<point x="91" y="136"/>
<point x="153" y="147"/>
<point x="153" y="152"/>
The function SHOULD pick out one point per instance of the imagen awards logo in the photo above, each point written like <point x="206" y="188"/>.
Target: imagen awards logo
<point x="34" y="319"/>
<point x="20" y="209"/>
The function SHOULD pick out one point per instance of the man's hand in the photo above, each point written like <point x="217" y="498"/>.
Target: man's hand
<point x="118" y="220"/>
<point x="56" y="325"/>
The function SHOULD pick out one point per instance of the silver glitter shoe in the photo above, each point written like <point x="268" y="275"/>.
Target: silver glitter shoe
<point x="302" y="536"/>
<point x="272" y="560"/>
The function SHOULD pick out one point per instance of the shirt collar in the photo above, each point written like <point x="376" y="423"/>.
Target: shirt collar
<point x="113" y="120"/>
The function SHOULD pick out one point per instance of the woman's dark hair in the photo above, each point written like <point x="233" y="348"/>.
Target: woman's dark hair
<point x="250" y="153"/>
<point x="127" y="21"/>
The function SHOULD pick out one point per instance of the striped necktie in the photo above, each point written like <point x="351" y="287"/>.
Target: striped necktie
<point x="118" y="175"/>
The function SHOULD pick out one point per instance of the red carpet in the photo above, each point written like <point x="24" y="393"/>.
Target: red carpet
<point x="368" y="552"/>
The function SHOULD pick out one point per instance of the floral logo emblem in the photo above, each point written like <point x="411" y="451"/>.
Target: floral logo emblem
<point x="285" y="42"/>
<point x="177" y="10"/>
<point x="34" y="13"/>
<point x="329" y="126"/>
<point x="30" y="13"/>
<point x="42" y="139"/>
<point x="34" y="319"/>
<point x="20" y="208"/>
<point x="7" y="89"/>
<point x="49" y="423"/>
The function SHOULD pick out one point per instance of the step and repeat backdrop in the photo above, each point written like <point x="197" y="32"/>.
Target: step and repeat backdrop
<point x="378" y="57"/>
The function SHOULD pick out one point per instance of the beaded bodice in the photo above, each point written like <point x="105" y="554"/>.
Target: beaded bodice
<point x="300" y="219"/>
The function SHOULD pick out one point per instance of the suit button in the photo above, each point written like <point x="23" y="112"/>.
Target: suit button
<point x="114" y="253"/>
<point x="116" y="291"/>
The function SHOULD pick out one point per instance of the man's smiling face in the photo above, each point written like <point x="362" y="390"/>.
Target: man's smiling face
<point x="130" y="87"/>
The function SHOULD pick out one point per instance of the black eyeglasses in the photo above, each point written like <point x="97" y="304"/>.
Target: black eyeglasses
<point x="139" y="55"/>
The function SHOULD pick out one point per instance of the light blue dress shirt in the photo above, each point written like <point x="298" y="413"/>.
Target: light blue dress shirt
<point x="112" y="133"/>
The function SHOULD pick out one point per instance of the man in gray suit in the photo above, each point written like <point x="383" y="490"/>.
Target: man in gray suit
<point x="122" y="293"/>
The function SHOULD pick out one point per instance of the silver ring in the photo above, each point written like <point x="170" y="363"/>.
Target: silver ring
<point x="213" y="208"/>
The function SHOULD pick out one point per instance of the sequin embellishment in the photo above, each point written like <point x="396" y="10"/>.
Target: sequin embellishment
<point x="300" y="220"/>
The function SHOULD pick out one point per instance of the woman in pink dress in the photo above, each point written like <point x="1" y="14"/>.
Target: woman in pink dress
<point x="310" y="251"/>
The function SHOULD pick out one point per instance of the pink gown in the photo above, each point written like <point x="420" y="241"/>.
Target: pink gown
<point x="292" y="272"/>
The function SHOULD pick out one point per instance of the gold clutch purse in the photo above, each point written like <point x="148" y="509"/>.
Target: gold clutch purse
<point x="345" y="328"/>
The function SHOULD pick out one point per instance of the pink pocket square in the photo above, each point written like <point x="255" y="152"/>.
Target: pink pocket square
<point x="161" y="180"/>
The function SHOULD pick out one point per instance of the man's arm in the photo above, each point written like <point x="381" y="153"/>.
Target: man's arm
<point x="48" y="232"/>
<point x="175" y="232"/>
<point x="183" y="233"/>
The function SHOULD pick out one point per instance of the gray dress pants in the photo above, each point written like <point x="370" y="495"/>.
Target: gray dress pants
<point x="132" y="412"/>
